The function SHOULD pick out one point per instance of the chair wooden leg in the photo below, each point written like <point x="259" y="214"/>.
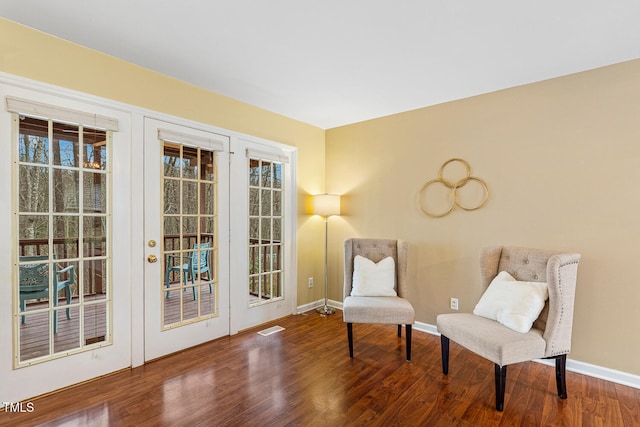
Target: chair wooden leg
<point x="561" y="379"/>
<point x="350" y="338"/>
<point x="501" y="379"/>
<point x="408" y="332"/>
<point x="399" y="330"/>
<point x="444" y="349"/>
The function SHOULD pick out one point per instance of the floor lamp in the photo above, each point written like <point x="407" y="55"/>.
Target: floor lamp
<point x="326" y="205"/>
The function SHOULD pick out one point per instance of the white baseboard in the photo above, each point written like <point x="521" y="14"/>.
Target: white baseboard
<point x="319" y="303"/>
<point x="600" y="372"/>
<point x="425" y="327"/>
<point x="310" y="306"/>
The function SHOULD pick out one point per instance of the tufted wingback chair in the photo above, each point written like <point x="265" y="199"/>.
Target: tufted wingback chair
<point x="368" y="309"/>
<point x="550" y="336"/>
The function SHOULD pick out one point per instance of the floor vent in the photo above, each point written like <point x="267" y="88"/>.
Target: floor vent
<point x="271" y="330"/>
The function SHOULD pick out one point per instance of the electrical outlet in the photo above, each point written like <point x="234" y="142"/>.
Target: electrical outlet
<point x="454" y="303"/>
<point x="310" y="282"/>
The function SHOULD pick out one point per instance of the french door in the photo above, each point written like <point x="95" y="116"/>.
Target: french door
<point x="219" y="227"/>
<point x="66" y="255"/>
<point x="186" y="237"/>
<point x="263" y="265"/>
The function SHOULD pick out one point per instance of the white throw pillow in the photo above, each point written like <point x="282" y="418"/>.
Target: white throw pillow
<point x="373" y="280"/>
<point x="513" y="303"/>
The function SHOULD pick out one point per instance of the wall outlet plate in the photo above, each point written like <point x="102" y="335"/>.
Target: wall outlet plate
<point x="454" y="303"/>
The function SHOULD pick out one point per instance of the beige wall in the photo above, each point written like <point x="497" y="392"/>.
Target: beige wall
<point x="562" y="162"/>
<point x="41" y="57"/>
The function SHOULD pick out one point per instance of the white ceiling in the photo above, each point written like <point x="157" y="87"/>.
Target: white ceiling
<point x="335" y="62"/>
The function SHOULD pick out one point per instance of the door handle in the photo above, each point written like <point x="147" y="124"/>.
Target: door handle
<point x="152" y="259"/>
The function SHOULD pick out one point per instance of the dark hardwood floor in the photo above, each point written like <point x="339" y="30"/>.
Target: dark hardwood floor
<point x="303" y="376"/>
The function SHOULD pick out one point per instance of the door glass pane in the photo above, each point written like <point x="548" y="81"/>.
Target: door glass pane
<point x="36" y="179"/>
<point x="65" y="145"/>
<point x="95" y="280"/>
<point x="95" y="149"/>
<point x="171" y="233"/>
<point x="207" y="170"/>
<point x="208" y="228"/>
<point x="277" y="175"/>
<point x="265" y="231"/>
<point x="58" y="278"/>
<point x="276" y="230"/>
<point x="35" y="230"/>
<point x="171" y="196"/>
<point x="189" y="231"/>
<point x="94" y="236"/>
<point x="189" y="198"/>
<point x="68" y="340"/>
<point x="171" y="159"/>
<point x="266" y="175"/>
<point x="190" y="162"/>
<point x="277" y="204"/>
<point x="95" y="323"/>
<point x="254" y="231"/>
<point x="254" y="172"/>
<point x="65" y="190"/>
<point x="189" y="284"/>
<point x="254" y="202"/>
<point x="95" y="192"/>
<point x="33" y="141"/>
<point x="65" y="236"/>
<point x="265" y="202"/>
<point x="208" y="201"/>
<point x="34" y="338"/>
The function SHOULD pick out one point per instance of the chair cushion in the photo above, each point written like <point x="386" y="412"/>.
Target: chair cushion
<point x="490" y="339"/>
<point x="513" y="303"/>
<point x="386" y="310"/>
<point x="372" y="279"/>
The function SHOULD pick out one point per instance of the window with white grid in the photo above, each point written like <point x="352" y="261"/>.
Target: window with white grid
<point x="62" y="279"/>
<point x="266" y="248"/>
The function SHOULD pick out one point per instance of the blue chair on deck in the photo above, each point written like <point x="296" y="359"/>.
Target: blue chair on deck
<point x="197" y="263"/>
<point x="34" y="284"/>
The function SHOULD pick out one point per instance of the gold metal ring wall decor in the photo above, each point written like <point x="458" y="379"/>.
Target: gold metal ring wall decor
<point x="454" y="187"/>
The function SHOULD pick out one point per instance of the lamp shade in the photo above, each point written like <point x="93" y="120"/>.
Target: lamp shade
<point x="326" y="204"/>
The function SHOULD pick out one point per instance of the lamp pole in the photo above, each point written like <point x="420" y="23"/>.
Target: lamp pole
<point x="326" y="310"/>
<point x="326" y="205"/>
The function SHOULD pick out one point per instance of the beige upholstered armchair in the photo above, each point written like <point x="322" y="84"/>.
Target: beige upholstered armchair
<point x="375" y="288"/>
<point x="550" y="335"/>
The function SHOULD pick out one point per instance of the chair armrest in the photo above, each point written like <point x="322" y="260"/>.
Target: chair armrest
<point x="348" y="268"/>
<point x="71" y="280"/>
<point x="67" y="268"/>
